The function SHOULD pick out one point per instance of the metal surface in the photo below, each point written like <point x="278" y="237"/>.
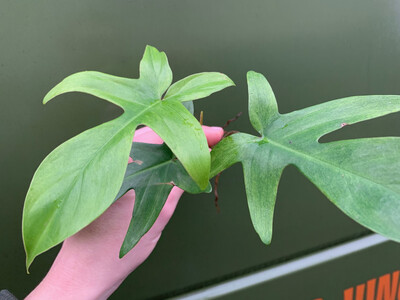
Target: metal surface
<point x="284" y="269"/>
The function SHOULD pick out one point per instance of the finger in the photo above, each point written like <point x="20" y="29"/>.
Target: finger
<point x="147" y="135"/>
<point x="213" y="134"/>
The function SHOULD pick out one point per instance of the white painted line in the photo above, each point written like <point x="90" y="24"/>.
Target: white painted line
<point x="283" y="269"/>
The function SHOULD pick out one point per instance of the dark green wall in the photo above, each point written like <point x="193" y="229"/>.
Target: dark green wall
<point x="311" y="52"/>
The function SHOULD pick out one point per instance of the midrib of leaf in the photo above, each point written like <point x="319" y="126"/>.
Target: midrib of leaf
<point x="328" y="164"/>
<point x="156" y="71"/>
<point x="122" y="128"/>
<point x="120" y="100"/>
<point x="150" y="168"/>
<point x="180" y="89"/>
<point x="146" y="191"/>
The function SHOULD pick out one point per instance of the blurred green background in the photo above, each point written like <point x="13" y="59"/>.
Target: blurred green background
<point x="311" y="51"/>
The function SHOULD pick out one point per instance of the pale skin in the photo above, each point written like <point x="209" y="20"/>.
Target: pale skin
<point x="88" y="266"/>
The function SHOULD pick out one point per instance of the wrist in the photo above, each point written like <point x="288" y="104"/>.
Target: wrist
<point x="65" y="287"/>
<point x="72" y="277"/>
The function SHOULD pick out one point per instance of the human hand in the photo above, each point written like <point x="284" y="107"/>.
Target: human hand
<point x="88" y="265"/>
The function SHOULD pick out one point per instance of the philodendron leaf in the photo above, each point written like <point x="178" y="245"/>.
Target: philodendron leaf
<point x="360" y="176"/>
<point x="79" y="180"/>
<point x="189" y="106"/>
<point x="153" y="173"/>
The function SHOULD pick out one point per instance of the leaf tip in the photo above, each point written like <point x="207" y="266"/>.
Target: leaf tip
<point x="208" y="188"/>
<point x="230" y="82"/>
<point x="266" y="239"/>
<point x="252" y="73"/>
<point x="149" y="49"/>
<point x="126" y="247"/>
<point x="122" y="253"/>
<point x="28" y="262"/>
<point x="203" y="185"/>
<point x="29" y="257"/>
<point x="47" y="97"/>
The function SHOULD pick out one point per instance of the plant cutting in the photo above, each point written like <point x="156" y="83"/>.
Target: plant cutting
<point x="360" y="176"/>
<point x="81" y="178"/>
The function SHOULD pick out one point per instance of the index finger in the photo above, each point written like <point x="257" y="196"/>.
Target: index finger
<point x="147" y="135"/>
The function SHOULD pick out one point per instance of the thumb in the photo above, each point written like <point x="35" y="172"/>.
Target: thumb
<point x="213" y="134"/>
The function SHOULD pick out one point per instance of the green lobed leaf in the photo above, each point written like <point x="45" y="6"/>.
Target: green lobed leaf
<point x="78" y="181"/>
<point x="171" y="132"/>
<point x="117" y="90"/>
<point x="154" y="70"/>
<point x="62" y="198"/>
<point x="263" y="108"/>
<point x="361" y="176"/>
<point x="189" y="106"/>
<point x="152" y="175"/>
<point x="198" y="86"/>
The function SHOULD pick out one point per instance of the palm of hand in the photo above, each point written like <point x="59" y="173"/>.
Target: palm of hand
<point x="90" y="258"/>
